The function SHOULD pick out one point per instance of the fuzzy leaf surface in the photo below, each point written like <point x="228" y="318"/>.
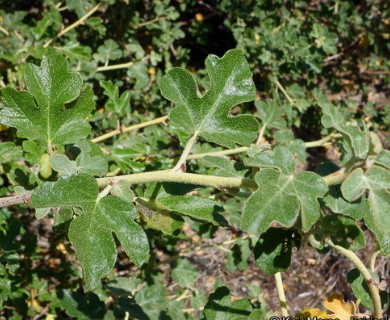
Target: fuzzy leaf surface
<point x="91" y="160"/>
<point x="208" y="116"/>
<point x="282" y="194"/>
<point x="53" y="109"/>
<point x="91" y="233"/>
<point x="355" y="209"/>
<point x="383" y="159"/>
<point x="280" y="158"/>
<point x="62" y="164"/>
<point x="376" y="181"/>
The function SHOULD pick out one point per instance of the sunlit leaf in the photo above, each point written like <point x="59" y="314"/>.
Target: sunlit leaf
<point x="91" y="233"/>
<point x="355" y="209"/>
<point x="208" y="116"/>
<point x="62" y="164"/>
<point x="383" y="159"/>
<point x="282" y="195"/>
<point x="376" y="180"/>
<point x="54" y="109"/>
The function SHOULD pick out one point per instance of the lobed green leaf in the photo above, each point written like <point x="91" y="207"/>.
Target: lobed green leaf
<point x="91" y="231"/>
<point x="376" y="180"/>
<point x="282" y="194"/>
<point x="208" y="116"/>
<point x="54" y="109"/>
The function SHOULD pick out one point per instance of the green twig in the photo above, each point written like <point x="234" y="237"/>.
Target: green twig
<point x="104" y="192"/>
<point x="314" y="242"/>
<point x="336" y="178"/>
<point x="281" y="294"/>
<point x="372" y="260"/>
<point x="374" y="292"/>
<point x="339" y="176"/>
<point x="321" y="142"/>
<point x="187" y="178"/>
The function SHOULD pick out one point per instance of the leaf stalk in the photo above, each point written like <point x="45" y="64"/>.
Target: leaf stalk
<point x="186" y="152"/>
<point x="281" y="294"/>
<point x="321" y="142"/>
